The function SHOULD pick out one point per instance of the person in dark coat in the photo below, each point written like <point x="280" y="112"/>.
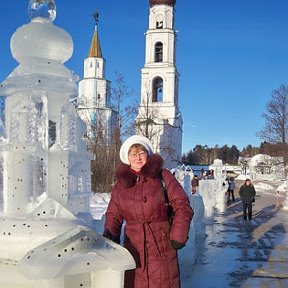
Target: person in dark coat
<point x="195" y="184"/>
<point x="137" y="198"/>
<point x="247" y="193"/>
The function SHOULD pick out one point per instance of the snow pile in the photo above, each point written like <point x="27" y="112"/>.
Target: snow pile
<point x="242" y="177"/>
<point x="263" y="186"/>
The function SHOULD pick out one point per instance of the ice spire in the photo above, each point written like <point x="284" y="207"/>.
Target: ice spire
<point x="42" y="8"/>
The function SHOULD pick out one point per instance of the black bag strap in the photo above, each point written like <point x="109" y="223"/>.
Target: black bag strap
<point x="163" y="187"/>
<point x="170" y="212"/>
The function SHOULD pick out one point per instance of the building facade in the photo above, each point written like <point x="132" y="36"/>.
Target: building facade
<point x="159" y="117"/>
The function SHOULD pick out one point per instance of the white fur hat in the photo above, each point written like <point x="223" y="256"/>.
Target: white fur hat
<point x="135" y="139"/>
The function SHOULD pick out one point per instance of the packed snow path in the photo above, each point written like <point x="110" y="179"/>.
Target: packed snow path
<point x="238" y="254"/>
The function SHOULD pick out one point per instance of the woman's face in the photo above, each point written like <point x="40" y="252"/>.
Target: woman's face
<point x="137" y="158"/>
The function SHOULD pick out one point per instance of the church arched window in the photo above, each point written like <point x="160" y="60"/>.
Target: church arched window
<point x="159" y="24"/>
<point x="159" y="21"/>
<point x="158" y="52"/>
<point x="157" y="94"/>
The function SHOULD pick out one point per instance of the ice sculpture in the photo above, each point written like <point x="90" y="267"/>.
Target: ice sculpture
<point x="213" y="192"/>
<point x="45" y="169"/>
<point x="207" y="191"/>
<point x="187" y="255"/>
<point x="221" y="185"/>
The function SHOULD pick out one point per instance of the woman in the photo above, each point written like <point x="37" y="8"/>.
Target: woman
<point x="247" y="193"/>
<point x="195" y="184"/>
<point x="138" y="199"/>
<point x="231" y="188"/>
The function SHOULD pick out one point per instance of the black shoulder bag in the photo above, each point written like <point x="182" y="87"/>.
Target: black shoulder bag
<point x="170" y="212"/>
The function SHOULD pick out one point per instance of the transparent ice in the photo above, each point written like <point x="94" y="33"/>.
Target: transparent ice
<point x="42" y="8"/>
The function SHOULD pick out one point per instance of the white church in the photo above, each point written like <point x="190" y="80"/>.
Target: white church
<point x="94" y="95"/>
<point x="159" y="118"/>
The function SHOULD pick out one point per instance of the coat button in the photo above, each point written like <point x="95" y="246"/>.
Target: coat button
<point x="144" y="199"/>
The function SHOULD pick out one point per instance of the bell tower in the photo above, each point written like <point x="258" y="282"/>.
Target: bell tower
<point x="159" y="118"/>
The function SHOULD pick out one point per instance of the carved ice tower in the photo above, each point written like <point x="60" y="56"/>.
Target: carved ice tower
<point x="41" y="142"/>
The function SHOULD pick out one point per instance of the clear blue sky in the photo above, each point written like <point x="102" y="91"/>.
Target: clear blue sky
<point x="231" y="55"/>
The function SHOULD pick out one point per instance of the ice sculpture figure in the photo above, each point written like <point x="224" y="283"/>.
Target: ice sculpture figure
<point x="213" y="192"/>
<point x="45" y="167"/>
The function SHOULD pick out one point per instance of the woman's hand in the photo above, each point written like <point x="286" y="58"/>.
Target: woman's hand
<point x="177" y="245"/>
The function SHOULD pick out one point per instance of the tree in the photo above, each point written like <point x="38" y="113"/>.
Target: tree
<point x="189" y="158"/>
<point x="223" y="154"/>
<point x="200" y="152"/>
<point x="107" y="152"/>
<point x="276" y="117"/>
<point x="125" y="105"/>
<point x="233" y="155"/>
<point x="204" y="155"/>
<point x="249" y="151"/>
<point x="200" y="155"/>
<point x="146" y="123"/>
<point x="275" y="130"/>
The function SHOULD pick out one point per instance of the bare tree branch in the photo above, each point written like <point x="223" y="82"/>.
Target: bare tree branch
<point x="276" y="117"/>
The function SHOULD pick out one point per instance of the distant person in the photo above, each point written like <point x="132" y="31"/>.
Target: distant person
<point x="195" y="184"/>
<point x="204" y="175"/>
<point x="202" y="172"/>
<point x="210" y="174"/>
<point x="231" y="188"/>
<point x="247" y="193"/>
<point x="138" y="199"/>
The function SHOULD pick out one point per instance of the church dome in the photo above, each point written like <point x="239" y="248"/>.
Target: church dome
<point x="162" y="2"/>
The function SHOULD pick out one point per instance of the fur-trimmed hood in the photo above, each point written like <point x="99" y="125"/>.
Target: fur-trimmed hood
<point x="127" y="177"/>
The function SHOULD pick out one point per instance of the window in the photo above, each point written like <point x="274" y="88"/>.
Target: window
<point x="159" y="24"/>
<point x="159" y="21"/>
<point x="158" y="52"/>
<point x="157" y="92"/>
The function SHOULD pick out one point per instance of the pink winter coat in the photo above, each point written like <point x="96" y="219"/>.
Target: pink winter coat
<point x="139" y="201"/>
